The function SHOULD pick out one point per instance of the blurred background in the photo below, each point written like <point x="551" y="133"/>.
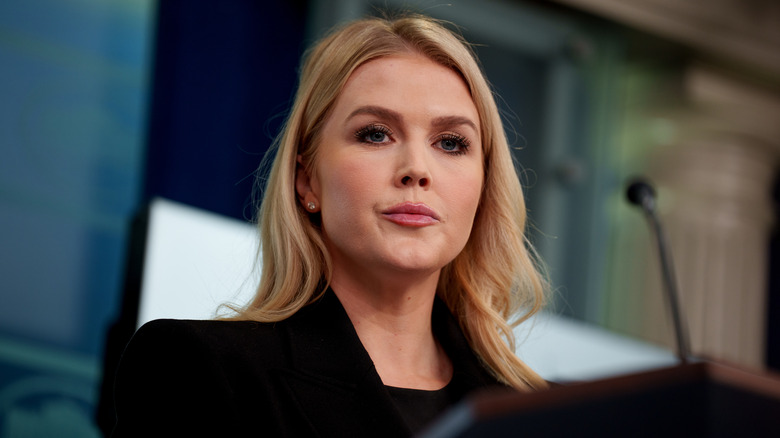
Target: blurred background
<point x="105" y="105"/>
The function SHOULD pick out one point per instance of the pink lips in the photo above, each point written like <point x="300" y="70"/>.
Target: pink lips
<point x="411" y="215"/>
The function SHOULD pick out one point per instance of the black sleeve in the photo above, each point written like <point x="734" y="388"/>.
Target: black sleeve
<point x="170" y="384"/>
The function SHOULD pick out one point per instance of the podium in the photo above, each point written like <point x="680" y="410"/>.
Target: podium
<point x="694" y="400"/>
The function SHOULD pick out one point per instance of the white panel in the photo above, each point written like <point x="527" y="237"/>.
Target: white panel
<point x="195" y="262"/>
<point x="563" y="350"/>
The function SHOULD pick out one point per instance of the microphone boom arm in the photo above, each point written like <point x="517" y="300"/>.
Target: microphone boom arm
<point x="643" y="195"/>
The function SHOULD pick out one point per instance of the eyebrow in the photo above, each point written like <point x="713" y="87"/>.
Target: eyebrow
<point x="445" y="121"/>
<point x="394" y="116"/>
<point x="378" y="111"/>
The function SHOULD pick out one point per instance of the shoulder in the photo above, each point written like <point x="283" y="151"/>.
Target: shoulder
<point x="187" y="327"/>
<point x="188" y="375"/>
<point x="201" y="330"/>
<point x="189" y="339"/>
<point x="214" y="356"/>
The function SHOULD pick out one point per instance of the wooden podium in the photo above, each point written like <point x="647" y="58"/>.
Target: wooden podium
<point x="695" y="400"/>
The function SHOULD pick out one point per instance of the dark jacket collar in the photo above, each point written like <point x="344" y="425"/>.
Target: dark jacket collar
<point x="327" y="353"/>
<point x="324" y="342"/>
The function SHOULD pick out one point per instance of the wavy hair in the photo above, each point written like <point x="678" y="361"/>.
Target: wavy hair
<point x="491" y="286"/>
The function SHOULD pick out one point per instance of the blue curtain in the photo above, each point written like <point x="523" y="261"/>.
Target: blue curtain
<point x="224" y="76"/>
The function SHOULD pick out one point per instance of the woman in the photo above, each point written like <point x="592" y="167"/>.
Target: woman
<point x="393" y="255"/>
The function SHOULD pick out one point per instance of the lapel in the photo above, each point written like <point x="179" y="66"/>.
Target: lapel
<point x="334" y="380"/>
<point x="332" y="376"/>
<point x="469" y="373"/>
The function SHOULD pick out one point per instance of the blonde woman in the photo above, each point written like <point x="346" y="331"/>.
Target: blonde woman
<point x="394" y="259"/>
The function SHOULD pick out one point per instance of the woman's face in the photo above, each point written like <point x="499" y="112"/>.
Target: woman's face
<point x="399" y="172"/>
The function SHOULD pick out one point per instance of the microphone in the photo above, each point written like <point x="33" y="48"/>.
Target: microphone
<point x="641" y="193"/>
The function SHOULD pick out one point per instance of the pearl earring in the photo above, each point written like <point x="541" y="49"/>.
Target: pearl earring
<point x="311" y="205"/>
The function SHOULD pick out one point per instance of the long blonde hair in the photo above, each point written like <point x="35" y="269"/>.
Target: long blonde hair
<point x="493" y="279"/>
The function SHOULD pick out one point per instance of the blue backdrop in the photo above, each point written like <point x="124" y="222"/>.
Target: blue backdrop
<point x="86" y="139"/>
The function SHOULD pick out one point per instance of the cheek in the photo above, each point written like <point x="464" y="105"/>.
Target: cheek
<point x="462" y="203"/>
<point x="466" y="190"/>
<point x="345" y="184"/>
<point x="467" y="202"/>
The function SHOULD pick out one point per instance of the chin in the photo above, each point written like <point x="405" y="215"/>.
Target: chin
<point x="416" y="263"/>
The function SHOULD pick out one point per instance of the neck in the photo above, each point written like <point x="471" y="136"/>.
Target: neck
<point x="393" y="321"/>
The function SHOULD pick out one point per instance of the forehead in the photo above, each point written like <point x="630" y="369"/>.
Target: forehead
<point x="408" y="83"/>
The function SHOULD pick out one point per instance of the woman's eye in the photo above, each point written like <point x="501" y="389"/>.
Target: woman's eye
<point x="453" y="144"/>
<point x="373" y="134"/>
<point x="377" y="136"/>
<point x="449" y="144"/>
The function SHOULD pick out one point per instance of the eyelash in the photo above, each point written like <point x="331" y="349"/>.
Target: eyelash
<point x="462" y="142"/>
<point x="363" y="133"/>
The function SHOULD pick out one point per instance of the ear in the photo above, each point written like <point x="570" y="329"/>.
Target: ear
<point x="305" y="189"/>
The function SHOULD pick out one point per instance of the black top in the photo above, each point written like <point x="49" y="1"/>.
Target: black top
<point x="308" y="375"/>
<point x="418" y="407"/>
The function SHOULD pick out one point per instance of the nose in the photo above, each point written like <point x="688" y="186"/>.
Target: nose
<point x="413" y="168"/>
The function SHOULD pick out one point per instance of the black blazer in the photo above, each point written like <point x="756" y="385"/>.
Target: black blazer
<point x="308" y="375"/>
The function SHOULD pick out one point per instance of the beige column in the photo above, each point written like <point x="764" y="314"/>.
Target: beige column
<point x="715" y="198"/>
